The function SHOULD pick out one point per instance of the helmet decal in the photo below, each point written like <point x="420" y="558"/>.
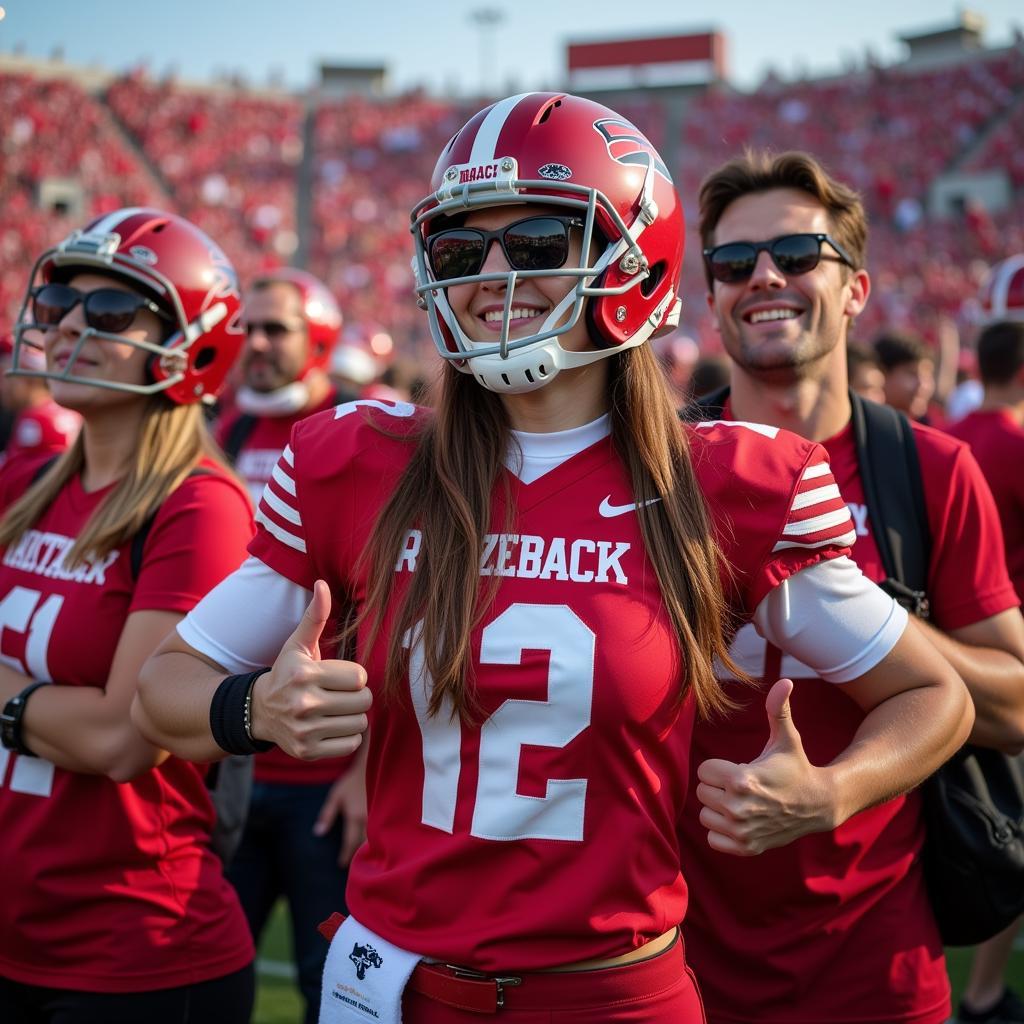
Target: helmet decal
<point x="628" y="145"/>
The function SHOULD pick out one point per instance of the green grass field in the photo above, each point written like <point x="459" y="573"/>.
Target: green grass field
<point x="277" y="1000"/>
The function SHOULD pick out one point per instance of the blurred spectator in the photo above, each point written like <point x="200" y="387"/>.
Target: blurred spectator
<point x="351" y="369"/>
<point x="41" y="426"/>
<point x="995" y="433"/>
<point x="908" y="366"/>
<point x="865" y="372"/>
<point x="709" y="374"/>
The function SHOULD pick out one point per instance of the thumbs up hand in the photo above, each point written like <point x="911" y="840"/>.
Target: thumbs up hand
<point x="311" y="707"/>
<point x="780" y="796"/>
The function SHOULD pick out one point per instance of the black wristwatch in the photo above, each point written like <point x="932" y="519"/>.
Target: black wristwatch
<point x="10" y="719"/>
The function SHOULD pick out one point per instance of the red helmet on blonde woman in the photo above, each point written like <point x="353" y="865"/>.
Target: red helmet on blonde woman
<point x="319" y="309"/>
<point x="182" y="271"/>
<point x="568" y="152"/>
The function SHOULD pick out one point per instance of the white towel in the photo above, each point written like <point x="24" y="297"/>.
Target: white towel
<point x="364" y="977"/>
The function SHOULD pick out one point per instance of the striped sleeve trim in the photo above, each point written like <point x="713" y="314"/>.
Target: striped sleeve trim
<point x="278" y="511"/>
<point x="818" y="516"/>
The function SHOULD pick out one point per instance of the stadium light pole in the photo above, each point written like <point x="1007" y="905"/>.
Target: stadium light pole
<point x="486" y="19"/>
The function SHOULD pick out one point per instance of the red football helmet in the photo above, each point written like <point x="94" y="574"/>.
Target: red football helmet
<point x="320" y="310"/>
<point x="1002" y="293"/>
<point x="562" y="151"/>
<point x="182" y="270"/>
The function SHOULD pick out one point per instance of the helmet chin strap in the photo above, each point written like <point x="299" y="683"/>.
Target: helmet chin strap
<point x="285" y="401"/>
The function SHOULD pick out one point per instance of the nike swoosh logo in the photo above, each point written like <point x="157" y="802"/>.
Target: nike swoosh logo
<point x="609" y="511"/>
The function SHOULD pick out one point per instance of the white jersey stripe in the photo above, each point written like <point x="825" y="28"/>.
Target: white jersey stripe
<point x="283" y="480"/>
<point x="846" y="540"/>
<point x="813" y="472"/>
<point x="487" y="137"/>
<point x="757" y="428"/>
<point x="287" y="456"/>
<point x="290" y="539"/>
<point x="818" y="523"/>
<point x="816" y="497"/>
<point x="284" y="510"/>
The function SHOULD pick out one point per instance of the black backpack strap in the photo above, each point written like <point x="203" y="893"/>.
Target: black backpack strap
<point x="890" y="471"/>
<point x="238" y="435"/>
<point x="707" y="407"/>
<point x="142" y="533"/>
<point x="41" y="469"/>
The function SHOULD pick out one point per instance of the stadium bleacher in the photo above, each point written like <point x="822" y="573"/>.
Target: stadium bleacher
<point x="233" y="160"/>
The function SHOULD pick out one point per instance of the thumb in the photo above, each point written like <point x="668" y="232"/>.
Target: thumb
<point x="782" y="732"/>
<point x="306" y="636"/>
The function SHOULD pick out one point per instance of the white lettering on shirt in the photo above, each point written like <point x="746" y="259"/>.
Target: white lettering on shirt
<point x="860" y="517"/>
<point x="42" y="553"/>
<point x="529" y="557"/>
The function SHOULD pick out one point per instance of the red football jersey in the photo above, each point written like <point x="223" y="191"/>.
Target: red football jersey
<point x="543" y="832"/>
<point x="836" y="926"/>
<point x="997" y="442"/>
<point x="255" y="463"/>
<point x="45" y="429"/>
<point x="111" y="887"/>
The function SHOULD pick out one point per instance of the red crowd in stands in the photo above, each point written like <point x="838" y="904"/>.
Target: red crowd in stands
<point x="229" y="160"/>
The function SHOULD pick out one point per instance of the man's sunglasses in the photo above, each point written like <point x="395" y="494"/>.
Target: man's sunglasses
<point x="734" y="262"/>
<point x="271" y="328"/>
<point x="534" y="243"/>
<point x="109" y="310"/>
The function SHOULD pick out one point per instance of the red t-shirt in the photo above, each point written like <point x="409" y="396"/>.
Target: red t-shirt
<point x="255" y="463"/>
<point x="997" y="442"/>
<point x="543" y="832"/>
<point x="111" y="887"/>
<point x="46" y="429"/>
<point x="836" y="926"/>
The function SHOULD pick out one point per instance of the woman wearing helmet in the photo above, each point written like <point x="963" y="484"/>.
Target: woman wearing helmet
<point x="536" y="579"/>
<point x="116" y="908"/>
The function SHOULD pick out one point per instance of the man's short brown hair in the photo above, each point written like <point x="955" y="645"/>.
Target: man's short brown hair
<point x="762" y="171"/>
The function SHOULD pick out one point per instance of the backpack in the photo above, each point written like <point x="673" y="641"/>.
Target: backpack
<point x="973" y="855"/>
<point x="228" y="781"/>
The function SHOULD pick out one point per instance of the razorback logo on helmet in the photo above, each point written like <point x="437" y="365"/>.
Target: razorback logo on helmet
<point x="628" y="145"/>
<point x="224" y="286"/>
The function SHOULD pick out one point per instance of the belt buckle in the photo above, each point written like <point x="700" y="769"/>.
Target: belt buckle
<point x="500" y="983"/>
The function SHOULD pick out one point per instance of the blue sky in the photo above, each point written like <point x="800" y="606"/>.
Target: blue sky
<point x="437" y="44"/>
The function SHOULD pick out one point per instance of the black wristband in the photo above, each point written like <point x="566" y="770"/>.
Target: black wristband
<point x="10" y="719"/>
<point x="229" y="715"/>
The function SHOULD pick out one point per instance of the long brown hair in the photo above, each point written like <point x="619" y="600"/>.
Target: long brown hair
<point x="446" y="492"/>
<point x="170" y="441"/>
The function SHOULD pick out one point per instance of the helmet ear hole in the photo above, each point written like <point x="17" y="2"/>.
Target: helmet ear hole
<point x="204" y="357"/>
<point x="651" y="282"/>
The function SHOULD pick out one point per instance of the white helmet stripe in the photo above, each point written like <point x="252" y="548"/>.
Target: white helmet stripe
<point x="487" y="137"/>
<point x="111" y="221"/>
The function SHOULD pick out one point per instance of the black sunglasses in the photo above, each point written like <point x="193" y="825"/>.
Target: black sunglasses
<point x="271" y="328"/>
<point x="792" y="254"/>
<point x="534" y="243"/>
<point x="109" y="310"/>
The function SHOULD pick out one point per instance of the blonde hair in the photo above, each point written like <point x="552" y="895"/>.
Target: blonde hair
<point x="170" y="442"/>
<point x="446" y="491"/>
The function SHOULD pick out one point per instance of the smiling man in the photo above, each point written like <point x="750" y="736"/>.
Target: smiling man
<point x="835" y="926"/>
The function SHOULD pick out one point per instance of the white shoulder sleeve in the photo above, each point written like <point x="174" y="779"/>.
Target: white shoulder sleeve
<point x="244" y="621"/>
<point x="833" y="619"/>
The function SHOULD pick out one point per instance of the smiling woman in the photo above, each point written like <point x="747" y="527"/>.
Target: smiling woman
<point x="121" y="911"/>
<point x="536" y="579"/>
